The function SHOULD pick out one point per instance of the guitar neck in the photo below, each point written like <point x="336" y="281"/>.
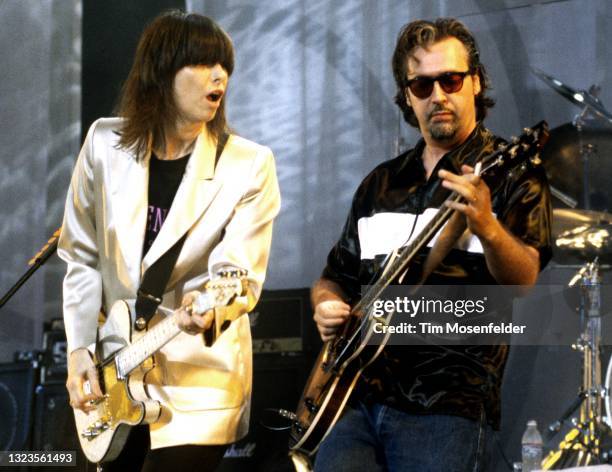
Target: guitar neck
<point x="155" y="338"/>
<point x="399" y="265"/>
<point x="504" y="158"/>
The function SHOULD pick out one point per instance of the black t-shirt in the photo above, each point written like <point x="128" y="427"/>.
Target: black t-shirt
<point x="164" y="179"/>
<point x="388" y="204"/>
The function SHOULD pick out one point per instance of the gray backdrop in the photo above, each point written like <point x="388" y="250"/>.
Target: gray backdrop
<point x="40" y="102"/>
<point x="313" y="82"/>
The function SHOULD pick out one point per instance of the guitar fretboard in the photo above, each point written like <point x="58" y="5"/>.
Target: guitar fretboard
<point x="154" y="339"/>
<point x="133" y="355"/>
<point x="401" y="263"/>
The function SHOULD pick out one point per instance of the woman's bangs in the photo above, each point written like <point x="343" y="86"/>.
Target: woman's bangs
<point x="204" y="43"/>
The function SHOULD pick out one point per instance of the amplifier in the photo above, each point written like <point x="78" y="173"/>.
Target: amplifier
<point x="17" y="382"/>
<point x="277" y="383"/>
<point x="54" y="367"/>
<point x="282" y="322"/>
<point x="54" y="426"/>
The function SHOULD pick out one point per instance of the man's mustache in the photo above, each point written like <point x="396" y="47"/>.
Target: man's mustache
<point x="438" y="109"/>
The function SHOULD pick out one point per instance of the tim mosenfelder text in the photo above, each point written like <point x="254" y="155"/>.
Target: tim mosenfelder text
<point x="416" y="306"/>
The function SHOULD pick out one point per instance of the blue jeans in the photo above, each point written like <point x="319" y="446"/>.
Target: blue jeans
<point x="380" y="438"/>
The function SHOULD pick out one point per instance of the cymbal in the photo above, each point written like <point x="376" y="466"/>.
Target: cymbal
<point x="565" y="219"/>
<point x="587" y="241"/>
<point x="565" y="163"/>
<point x="581" y="98"/>
<point x="580" y="235"/>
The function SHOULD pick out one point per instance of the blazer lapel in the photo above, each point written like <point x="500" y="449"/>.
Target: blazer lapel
<point x="129" y="187"/>
<point x="195" y="193"/>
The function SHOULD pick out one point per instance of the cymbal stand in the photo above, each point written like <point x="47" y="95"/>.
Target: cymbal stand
<point x="585" y="152"/>
<point x="580" y="446"/>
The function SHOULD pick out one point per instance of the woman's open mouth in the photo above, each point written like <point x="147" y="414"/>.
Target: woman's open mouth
<point x="215" y="96"/>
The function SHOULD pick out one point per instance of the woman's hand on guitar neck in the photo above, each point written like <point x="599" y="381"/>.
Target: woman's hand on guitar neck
<point x="82" y="384"/>
<point x="193" y="323"/>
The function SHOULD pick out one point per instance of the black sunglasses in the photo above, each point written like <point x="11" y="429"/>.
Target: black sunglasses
<point x="451" y="82"/>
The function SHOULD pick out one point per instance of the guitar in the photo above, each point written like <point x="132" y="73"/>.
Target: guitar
<point x="343" y="359"/>
<point x="123" y="357"/>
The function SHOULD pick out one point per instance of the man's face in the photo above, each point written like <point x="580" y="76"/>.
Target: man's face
<point x="445" y="119"/>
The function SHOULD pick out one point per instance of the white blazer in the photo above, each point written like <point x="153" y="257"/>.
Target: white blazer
<point x="227" y="213"/>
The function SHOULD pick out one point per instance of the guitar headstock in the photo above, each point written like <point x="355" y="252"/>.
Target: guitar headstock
<point x="221" y="290"/>
<point x="520" y="150"/>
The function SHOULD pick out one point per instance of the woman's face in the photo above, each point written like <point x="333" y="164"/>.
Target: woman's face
<point x="197" y="93"/>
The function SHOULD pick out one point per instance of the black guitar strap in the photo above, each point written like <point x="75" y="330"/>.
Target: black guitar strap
<point x="155" y="279"/>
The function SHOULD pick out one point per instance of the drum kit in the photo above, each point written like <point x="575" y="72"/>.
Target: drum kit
<point x="578" y="161"/>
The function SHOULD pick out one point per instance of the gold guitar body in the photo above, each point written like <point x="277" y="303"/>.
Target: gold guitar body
<point x="103" y="431"/>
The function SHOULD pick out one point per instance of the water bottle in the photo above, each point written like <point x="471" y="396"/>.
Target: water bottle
<point x="532" y="447"/>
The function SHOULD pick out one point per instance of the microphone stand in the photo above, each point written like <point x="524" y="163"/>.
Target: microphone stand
<point x="35" y="263"/>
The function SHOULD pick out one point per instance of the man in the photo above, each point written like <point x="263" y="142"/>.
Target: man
<point x="142" y="182"/>
<point x="431" y="408"/>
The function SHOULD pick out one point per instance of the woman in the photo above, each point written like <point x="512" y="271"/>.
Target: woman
<point x="142" y="181"/>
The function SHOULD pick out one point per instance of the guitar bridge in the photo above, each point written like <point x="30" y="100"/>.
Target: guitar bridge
<point x="96" y="428"/>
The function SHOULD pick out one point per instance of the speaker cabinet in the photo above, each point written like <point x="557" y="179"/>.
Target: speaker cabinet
<point x="54" y="427"/>
<point x="285" y="346"/>
<point x="277" y="383"/>
<point x="17" y="381"/>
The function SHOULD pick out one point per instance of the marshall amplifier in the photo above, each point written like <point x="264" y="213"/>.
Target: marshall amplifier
<point x="282" y="323"/>
<point x="285" y="343"/>
<point x="277" y="383"/>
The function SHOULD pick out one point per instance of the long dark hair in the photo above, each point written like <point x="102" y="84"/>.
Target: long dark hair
<point x="170" y="42"/>
<point x="422" y="33"/>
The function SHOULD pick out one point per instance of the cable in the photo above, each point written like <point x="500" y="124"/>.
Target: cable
<point x="607" y="392"/>
<point x="501" y="450"/>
